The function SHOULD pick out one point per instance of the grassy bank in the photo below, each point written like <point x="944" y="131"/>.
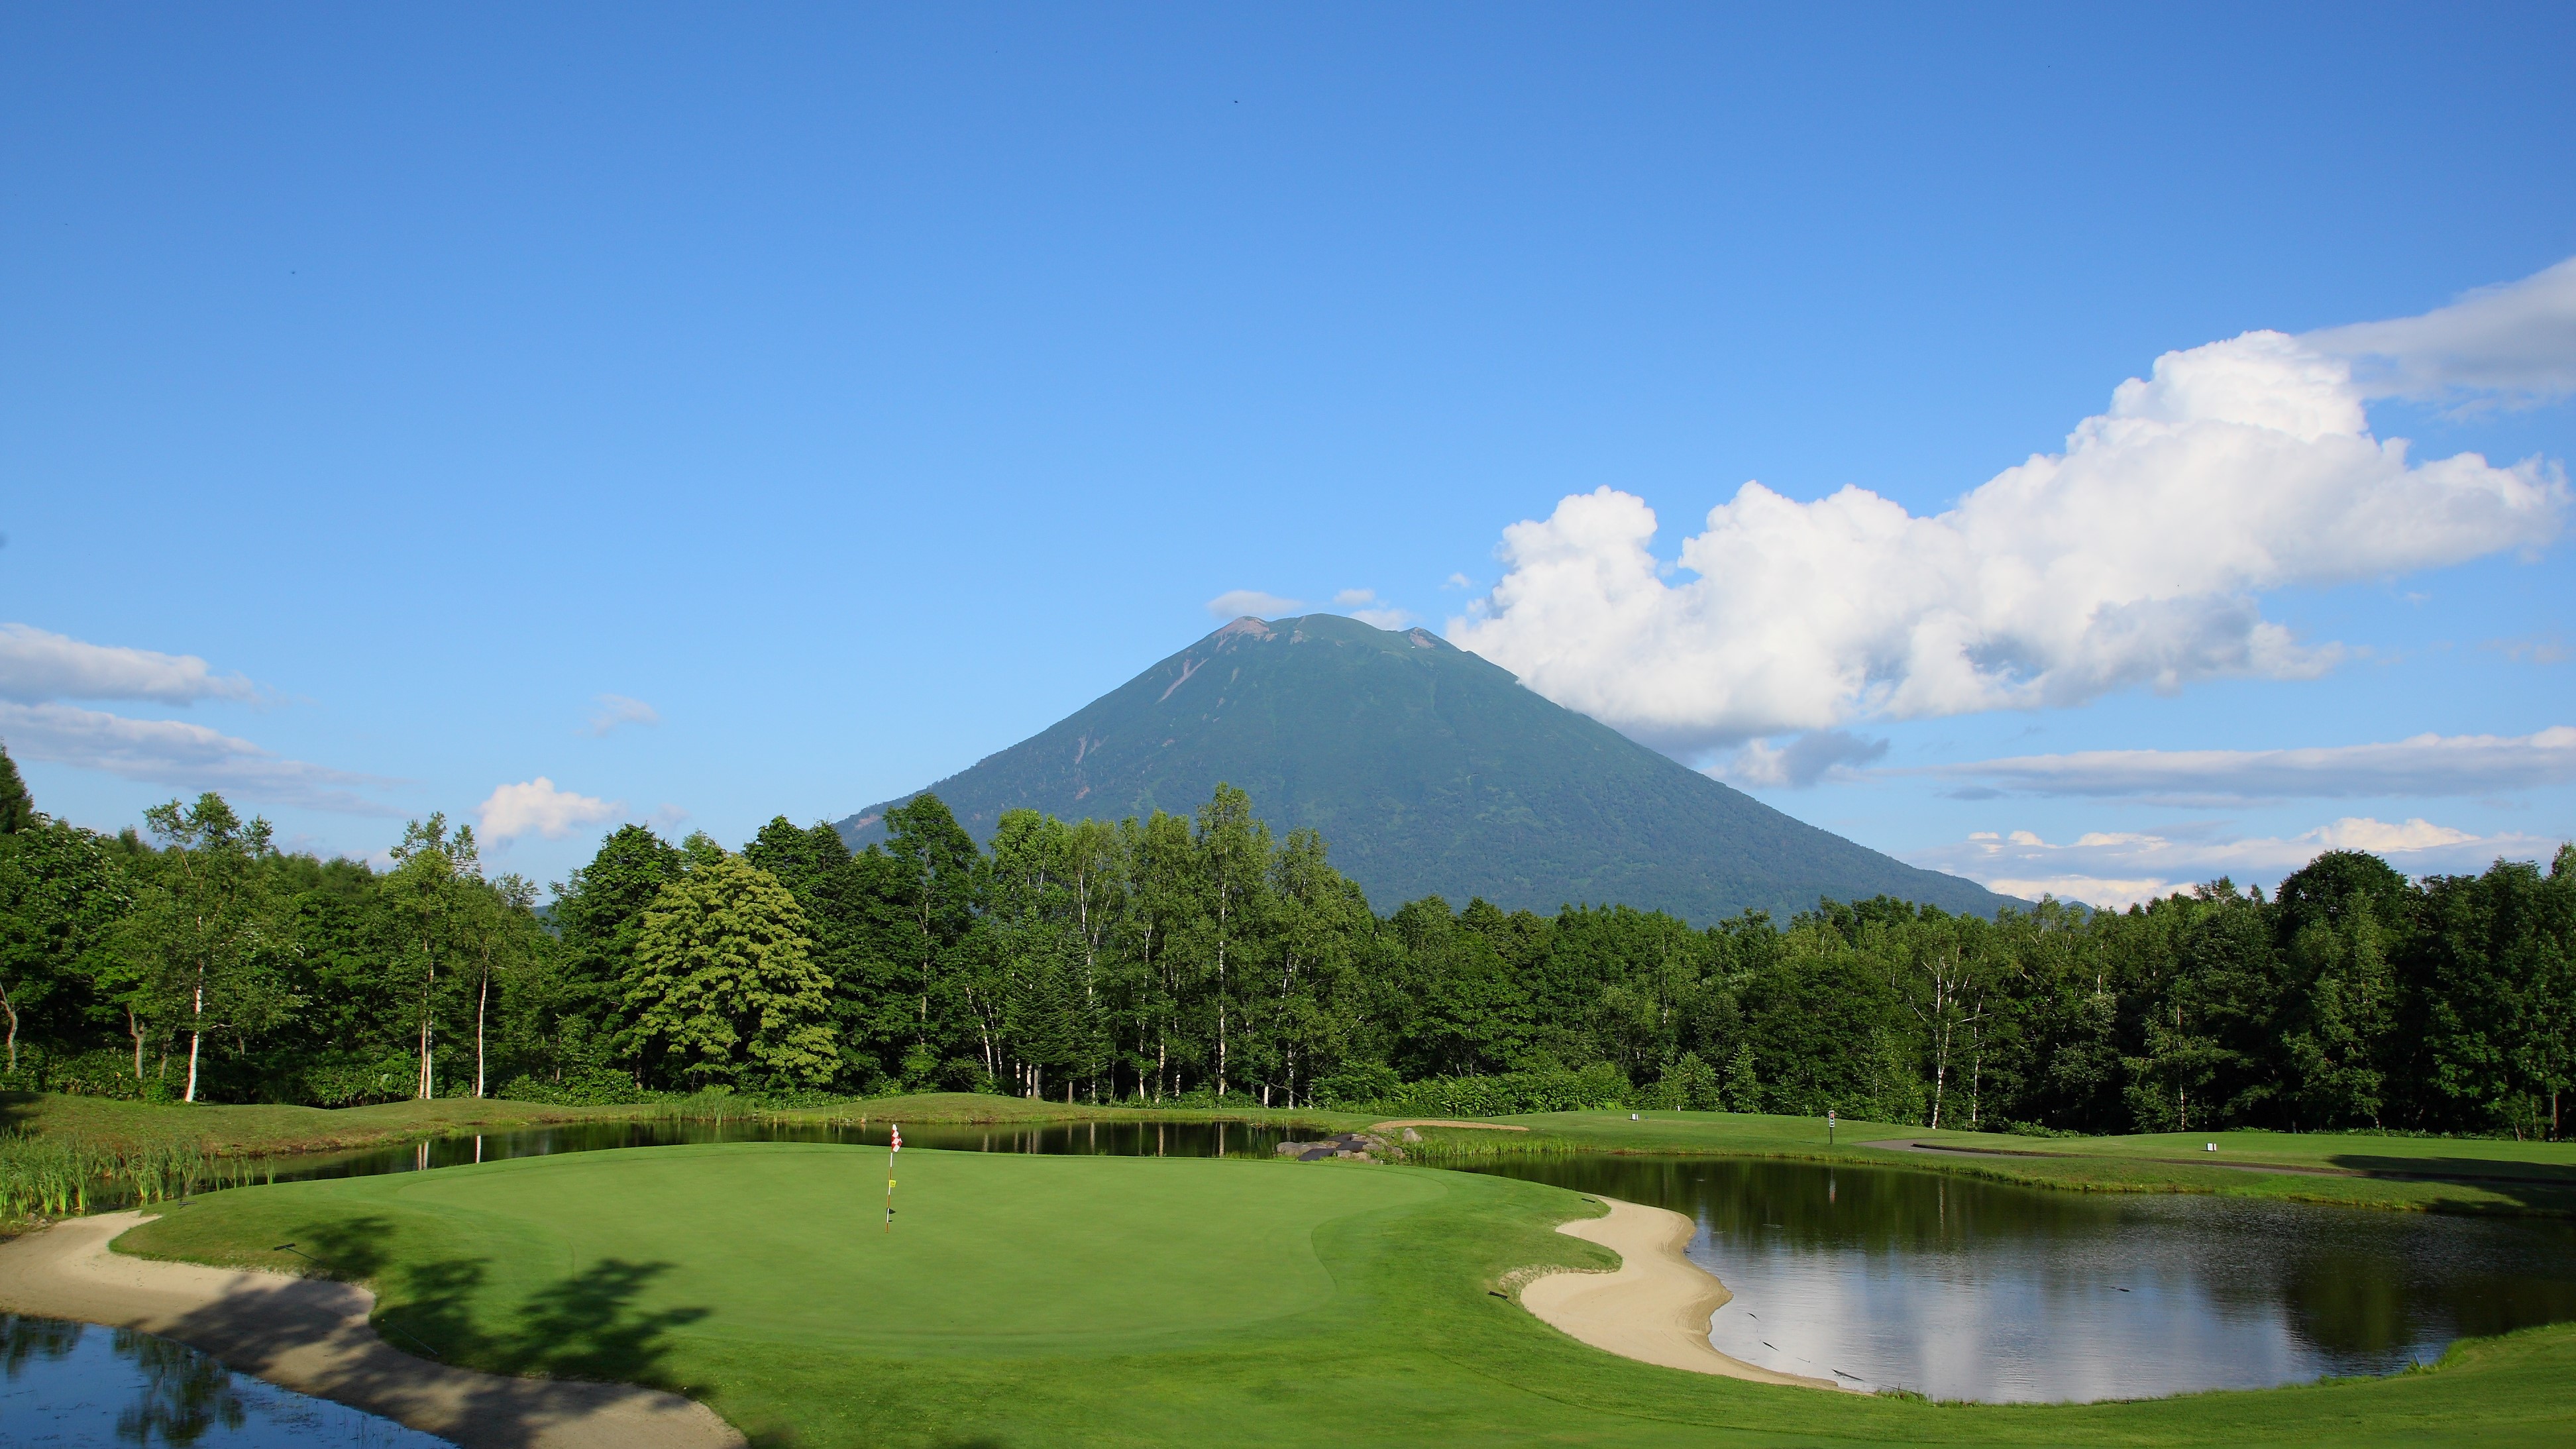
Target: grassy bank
<point x="1114" y="1301"/>
<point x="236" y="1130"/>
<point x="2466" y="1175"/>
<point x="2340" y="1169"/>
<point x="65" y="1155"/>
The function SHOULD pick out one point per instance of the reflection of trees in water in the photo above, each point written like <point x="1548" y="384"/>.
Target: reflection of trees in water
<point x="1112" y="1139"/>
<point x="184" y="1393"/>
<point x="21" y="1339"/>
<point x="2358" y="1288"/>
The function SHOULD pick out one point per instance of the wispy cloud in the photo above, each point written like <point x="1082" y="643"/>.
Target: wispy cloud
<point x="1365" y="606"/>
<point x="2135" y="557"/>
<point x="2420" y="765"/>
<point x="1235" y="603"/>
<point x="1816" y="755"/>
<point x="617" y="709"/>
<point x="2531" y="648"/>
<point x="2517" y="340"/>
<point x="536" y="807"/>
<point x="36" y="665"/>
<point x="2124" y="868"/>
<point x="187" y="757"/>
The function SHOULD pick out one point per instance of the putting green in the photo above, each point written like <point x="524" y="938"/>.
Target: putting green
<point x="786" y="1242"/>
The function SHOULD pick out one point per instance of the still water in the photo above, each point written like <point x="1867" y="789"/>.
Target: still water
<point x="73" y="1386"/>
<point x="1963" y="1289"/>
<point x="1110" y="1139"/>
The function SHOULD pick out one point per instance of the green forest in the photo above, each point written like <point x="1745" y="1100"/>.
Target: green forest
<point x="1198" y="960"/>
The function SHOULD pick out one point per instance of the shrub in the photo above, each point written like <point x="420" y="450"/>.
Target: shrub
<point x="591" y="1087"/>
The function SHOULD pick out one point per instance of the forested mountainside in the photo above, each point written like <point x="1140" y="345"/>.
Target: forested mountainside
<point x="1200" y="958"/>
<point x="1433" y="772"/>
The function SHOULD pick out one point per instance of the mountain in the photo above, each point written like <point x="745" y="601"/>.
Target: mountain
<point x="1429" y="771"/>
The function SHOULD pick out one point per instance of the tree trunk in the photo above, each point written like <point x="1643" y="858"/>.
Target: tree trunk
<point x="134" y="1029"/>
<point x="196" y="1034"/>
<point x="1976" y="1075"/>
<point x="428" y="985"/>
<point x="13" y="1031"/>
<point x="482" y="997"/>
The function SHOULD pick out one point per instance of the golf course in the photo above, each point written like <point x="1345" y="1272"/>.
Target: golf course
<point x="1044" y="1300"/>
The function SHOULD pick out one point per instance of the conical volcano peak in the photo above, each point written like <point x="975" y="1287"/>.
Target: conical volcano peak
<point x="1429" y="771"/>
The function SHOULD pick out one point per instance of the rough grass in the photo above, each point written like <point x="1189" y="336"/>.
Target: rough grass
<point x="233" y="1130"/>
<point x="1124" y="1301"/>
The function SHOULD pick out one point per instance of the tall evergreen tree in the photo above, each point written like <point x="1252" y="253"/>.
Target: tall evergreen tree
<point x="17" y="808"/>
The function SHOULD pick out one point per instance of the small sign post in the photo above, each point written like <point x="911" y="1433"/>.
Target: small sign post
<point x="1829" y="1126"/>
<point x="890" y="1152"/>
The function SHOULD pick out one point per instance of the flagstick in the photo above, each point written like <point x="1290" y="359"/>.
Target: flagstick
<point x="890" y="1152"/>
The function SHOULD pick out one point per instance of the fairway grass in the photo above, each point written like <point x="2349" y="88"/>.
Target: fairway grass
<point x="1037" y="1301"/>
<point x="2423" y="1174"/>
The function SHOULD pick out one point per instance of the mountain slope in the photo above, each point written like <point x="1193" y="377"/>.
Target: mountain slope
<point x="1428" y="771"/>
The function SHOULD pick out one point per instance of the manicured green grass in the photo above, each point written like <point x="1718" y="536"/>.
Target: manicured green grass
<point x="1027" y="1300"/>
<point x="2352" y="1170"/>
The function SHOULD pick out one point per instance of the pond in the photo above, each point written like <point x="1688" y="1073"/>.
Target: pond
<point x="74" y="1386"/>
<point x="1963" y="1289"/>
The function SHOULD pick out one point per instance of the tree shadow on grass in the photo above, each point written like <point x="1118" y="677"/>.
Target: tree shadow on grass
<point x="2534" y="1186"/>
<point x="580" y="1347"/>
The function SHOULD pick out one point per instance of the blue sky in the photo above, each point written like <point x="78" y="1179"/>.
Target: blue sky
<point x="717" y="414"/>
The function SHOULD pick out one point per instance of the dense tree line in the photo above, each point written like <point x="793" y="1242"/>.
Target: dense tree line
<point x="1198" y="959"/>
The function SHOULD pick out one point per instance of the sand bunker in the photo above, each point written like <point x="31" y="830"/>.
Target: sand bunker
<point x="1656" y="1307"/>
<point x="313" y="1336"/>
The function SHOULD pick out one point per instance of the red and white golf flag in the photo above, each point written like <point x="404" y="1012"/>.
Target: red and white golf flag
<point x="898" y="1138"/>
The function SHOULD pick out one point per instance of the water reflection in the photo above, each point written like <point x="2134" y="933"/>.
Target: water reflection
<point x="1105" y="1139"/>
<point x="72" y="1385"/>
<point x="1972" y="1290"/>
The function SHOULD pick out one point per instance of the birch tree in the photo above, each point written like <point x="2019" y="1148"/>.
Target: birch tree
<point x="200" y="933"/>
<point x="432" y="896"/>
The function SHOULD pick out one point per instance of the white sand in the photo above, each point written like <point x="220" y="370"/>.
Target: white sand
<point x="313" y="1336"/>
<point x="1656" y="1307"/>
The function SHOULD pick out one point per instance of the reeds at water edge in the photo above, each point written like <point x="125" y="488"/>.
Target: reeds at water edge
<point x="55" y="1177"/>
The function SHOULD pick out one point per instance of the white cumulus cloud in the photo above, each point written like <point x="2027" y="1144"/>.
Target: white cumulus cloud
<point x="37" y="665"/>
<point x="2124" y="868"/>
<point x="2134" y="557"/>
<point x="2518" y="339"/>
<point x="1235" y="603"/>
<point x="536" y="807"/>
<point x="617" y="709"/>
<point x="184" y="756"/>
<point x="2419" y="765"/>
